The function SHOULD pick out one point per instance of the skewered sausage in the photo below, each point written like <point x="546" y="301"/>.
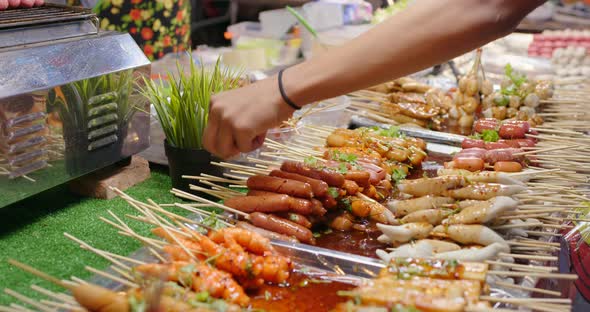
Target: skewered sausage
<point x="469" y="163"/>
<point x="266" y="233"/>
<point x="297" y="218"/>
<point x="317" y="208"/>
<point x="260" y="203"/>
<point x="280" y="185"/>
<point x="486" y="124"/>
<point x="332" y="178"/>
<point x="319" y="187"/>
<point x="360" y="177"/>
<point x="282" y="226"/>
<point x="503" y="154"/>
<point x="507" y="166"/>
<point x="298" y="205"/>
<point x="469" y="143"/>
<point x="512" y="131"/>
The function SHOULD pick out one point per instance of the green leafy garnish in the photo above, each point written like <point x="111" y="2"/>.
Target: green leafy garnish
<point x="490" y="135"/>
<point x="391" y="132"/>
<point x="517" y="78"/>
<point x="267" y="295"/>
<point x="398" y="175"/>
<point x="316" y="234"/>
<point x="334" y="192"/>
<point x="342" y="168"/>
<point x="202" y="296"/>
<point x="346" y="204"/>
<point x="213" y="222"/>
<point x="310" y="161"/>
<point x="502" y="101"/>
<point x="349" y="158"/>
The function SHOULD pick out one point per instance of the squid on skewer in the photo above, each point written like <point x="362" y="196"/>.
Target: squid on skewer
<point x="432" y="216"/>
<point x="485" y="191"/>
<point x="431" y="186"/>
<point x="486" y="176"/>
<point x="403" y="207"/>
<point x="489" y="252"/>
<point x="404" y="233"/>
<point x="483" y="212"/>
<point x="471" y="234"/>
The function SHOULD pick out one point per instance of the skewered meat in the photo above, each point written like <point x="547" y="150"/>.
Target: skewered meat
<point x="471" y="234"/>
<point x="403" y="233"/>
<point x="483" y="212"/>
<point x="486" y="176"/>
<point x="404" y="207"/>
<point x="432" y="216"/>
<point x="489" y="252"/>
<point x="485" y="191"/>
<point x="430" y="186"/>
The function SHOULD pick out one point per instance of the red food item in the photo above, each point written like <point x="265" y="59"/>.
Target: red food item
<point x="512" y="132"/>
<point x="3" y="4"/>
<point x="319" y="187"/>
<point x="496" y="145"/>
<point x="332" y="178"/>
<point x="507" y="166"/>
<point x="471" y="152"/>
<point x="521" y="123"/>
<point x="282" y="226"/>
<point x="486" y="124"/>
<point x="469" y="163"/>
<point x="279" y="185"/>
<point x="14" y="3"/>
<point x="27" y="3"/>
<point x="39" y="2"/>
<point x="503" y="154"/>
<point x="469" y="143"/>
<point x="518" y="143"/>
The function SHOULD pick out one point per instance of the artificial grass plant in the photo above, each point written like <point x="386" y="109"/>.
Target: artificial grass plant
<point x="182" y="106"/>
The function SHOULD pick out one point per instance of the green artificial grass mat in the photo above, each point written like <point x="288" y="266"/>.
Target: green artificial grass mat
<point x="32" y="232"/>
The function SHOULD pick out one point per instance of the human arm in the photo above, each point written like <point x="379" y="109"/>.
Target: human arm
<point x="426" y="33"/>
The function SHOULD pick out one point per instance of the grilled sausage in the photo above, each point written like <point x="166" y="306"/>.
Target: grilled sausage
<point x="280" y="185"/>
<point x="332" y="178"/>
<point x="297" y="218"/>
<point x="319" y="187"/>
<point x="282" y="226"/>
<point x="265" y="203"/>
<point x="297" y="205"/>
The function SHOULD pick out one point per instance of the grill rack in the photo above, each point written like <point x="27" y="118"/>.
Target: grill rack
<point x="46" y="14"/>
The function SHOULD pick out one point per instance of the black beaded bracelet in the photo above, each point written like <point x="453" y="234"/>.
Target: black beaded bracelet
<point x="283" y="94"/>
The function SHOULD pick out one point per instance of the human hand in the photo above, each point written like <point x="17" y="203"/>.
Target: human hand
<point x="13" y="4"/>
<point x="239" y="119"/>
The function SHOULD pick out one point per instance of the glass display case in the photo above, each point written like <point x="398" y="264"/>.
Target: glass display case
<point x="67" y="106"/>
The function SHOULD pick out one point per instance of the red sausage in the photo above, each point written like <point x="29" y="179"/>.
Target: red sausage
<point x="282" y="226"/>
<point x="266" y="203"/>
<point x="14" y="3"/>
<point x="266" y="233"/>
<point x="485" y="124"/>
<point x="510" y="131"/>
<point x="518" y="143"/>
<point x="496" y="145"/>
<point x="503" y="154"/>
<point x="469" y="163"/>
<point x="469" y="143"/>
<point x="329" y="202"/>
<point x="319" y="187"/>
<point x="332" y="178"/>
<point x="520" y="123"/>
<point x="298" y="205"/>
<point x="280" y="185"/>
<point x="360" y="177"/>
<point x="27" y="3"/>
<point x="297" y="218"/>
<point x="317" y="208"/>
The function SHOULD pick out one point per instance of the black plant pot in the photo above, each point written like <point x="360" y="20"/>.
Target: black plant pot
<point x="188" y="161"/>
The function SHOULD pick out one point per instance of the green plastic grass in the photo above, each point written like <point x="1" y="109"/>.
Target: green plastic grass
<point x="31" y="231"/>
